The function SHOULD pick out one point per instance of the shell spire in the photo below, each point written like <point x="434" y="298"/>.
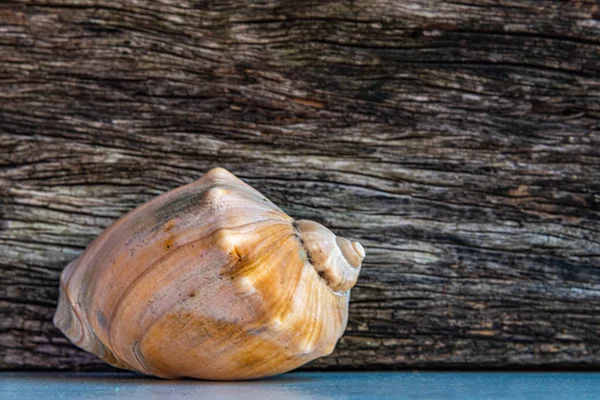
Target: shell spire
<point x="336" y="259"/>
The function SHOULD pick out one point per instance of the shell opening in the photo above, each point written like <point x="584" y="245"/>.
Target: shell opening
<point x="336" y="259"/>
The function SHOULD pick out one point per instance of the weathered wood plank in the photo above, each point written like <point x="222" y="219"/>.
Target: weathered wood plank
<point x="457" y="140"/>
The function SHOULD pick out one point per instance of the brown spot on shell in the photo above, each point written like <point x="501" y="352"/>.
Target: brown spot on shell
<point x="169" y="243"/>
<point x="169" y="225"/>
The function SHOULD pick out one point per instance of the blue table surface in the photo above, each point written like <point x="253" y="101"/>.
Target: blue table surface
<point x="307" y="385"/>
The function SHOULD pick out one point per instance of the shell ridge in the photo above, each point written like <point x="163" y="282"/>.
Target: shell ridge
<point x="149" y="270"/>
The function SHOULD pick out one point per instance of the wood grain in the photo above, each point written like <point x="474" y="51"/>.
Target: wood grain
<point x="457" y="140"/>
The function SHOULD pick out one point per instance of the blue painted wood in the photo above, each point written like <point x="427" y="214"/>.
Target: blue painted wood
<point x="330" y="385"/>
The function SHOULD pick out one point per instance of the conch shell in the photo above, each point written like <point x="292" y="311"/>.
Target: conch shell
<point x="210" y="280"/>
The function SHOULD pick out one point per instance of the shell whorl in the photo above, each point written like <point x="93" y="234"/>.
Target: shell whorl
<point x="337" y="259"/>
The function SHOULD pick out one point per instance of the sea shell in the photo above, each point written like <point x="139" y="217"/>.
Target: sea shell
<point x="210" y="280"/>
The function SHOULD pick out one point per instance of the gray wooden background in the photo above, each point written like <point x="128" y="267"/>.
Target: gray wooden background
<point x="457" y="140"/>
